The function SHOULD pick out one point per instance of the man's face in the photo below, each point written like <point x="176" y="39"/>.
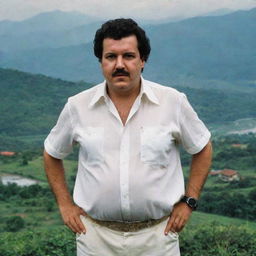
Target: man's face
<point x="121" y="64"/>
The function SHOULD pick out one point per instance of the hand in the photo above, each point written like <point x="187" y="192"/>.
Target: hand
<point x="178" y="218"/>
<point x="71" y="217"/>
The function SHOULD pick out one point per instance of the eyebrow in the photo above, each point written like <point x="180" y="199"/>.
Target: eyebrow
<point x="110" y="52"/>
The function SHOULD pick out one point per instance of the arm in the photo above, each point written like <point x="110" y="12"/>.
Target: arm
<point x="198" y="173"/>
<point x="69" y="211"/>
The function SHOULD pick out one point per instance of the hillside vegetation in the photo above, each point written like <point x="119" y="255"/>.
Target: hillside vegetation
<point x="30" y="105"/>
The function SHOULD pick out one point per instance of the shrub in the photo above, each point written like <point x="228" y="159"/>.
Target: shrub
<point x="217" y="240"/>
<point x="14" y="223"/>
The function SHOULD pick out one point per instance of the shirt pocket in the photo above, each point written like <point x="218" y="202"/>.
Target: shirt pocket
<point x="93" y="144"/>
<point x="156" y="144"/>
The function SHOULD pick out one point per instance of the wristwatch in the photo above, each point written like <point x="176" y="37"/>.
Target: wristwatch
<point x="190" y="201"/>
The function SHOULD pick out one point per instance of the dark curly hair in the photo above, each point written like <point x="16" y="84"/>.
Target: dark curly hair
<point x="117" y="29"/>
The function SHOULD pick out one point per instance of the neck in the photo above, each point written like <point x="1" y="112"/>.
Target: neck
<point x="123" y="101"/>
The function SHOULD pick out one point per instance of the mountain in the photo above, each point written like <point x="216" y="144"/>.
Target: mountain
<point x="48" y="38"/>
<point x="220" y="48"/>
<point x="201" y="51"/>
<point x="72" y="63"/>
<point x="47" y="30"/>
<point x="47" y="21"/>
<point x="218" y="12"/>
<point x="30" y="104"/>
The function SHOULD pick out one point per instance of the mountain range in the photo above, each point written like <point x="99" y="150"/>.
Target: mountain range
<point x="207" y="51"/>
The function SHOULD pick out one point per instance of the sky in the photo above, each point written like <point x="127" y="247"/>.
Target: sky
<point x="140" y="9"/>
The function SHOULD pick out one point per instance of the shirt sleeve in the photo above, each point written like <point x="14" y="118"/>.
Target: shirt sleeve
<point x="193" y="133"/>
<point x="59" y="142"/>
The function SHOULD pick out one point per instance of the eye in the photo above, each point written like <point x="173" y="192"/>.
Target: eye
<point x="110" y="56"/>
<point x="129" y="56"/>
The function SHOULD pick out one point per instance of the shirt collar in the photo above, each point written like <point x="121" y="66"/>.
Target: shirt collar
<point x="101" y="93"/>
<point x="148" y="92"/>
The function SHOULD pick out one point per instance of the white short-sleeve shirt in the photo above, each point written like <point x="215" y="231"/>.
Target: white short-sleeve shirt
<point x="128" y="172"/>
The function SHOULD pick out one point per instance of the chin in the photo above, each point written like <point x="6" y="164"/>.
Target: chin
<point x="120" y="85"/>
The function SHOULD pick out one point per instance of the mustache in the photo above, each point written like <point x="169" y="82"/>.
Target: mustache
<point x="119" y="72"/>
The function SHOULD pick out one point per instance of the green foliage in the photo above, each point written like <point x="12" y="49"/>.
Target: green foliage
<point x="26" y="113"/>
<point x="52" y="242"/>
<point x="14" y="223"/>
<point x="216" y="240"/>
<point x="30" y="103"/>
<point x="15" y="192"/>
<point x="210" y="240"/>
<point x="229" y="204"/>
<point x="206" y="102"/>
<point x="239" y="158"/>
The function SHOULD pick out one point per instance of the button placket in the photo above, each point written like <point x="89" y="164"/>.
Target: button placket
<point x="124" y="174"/>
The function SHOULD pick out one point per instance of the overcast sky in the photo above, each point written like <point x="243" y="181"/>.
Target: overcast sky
<point x="144" y="9"/>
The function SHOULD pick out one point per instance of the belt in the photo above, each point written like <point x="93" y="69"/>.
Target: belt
<point x="128" y="226"/>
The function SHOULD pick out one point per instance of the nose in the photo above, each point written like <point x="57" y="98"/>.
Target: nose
<point x="119" y="62"/>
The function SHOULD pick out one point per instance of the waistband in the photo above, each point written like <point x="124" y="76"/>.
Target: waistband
<point x="128" y="226"/>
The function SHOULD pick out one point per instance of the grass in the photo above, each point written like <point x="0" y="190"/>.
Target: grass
<point x="199" y="218"/>
<point x="34" y="216"/>
<point x="34" y="169"/>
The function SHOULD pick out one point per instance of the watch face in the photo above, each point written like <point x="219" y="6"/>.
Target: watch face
<point x="192" y="202"/>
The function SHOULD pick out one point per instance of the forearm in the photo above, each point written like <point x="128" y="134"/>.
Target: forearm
<point x="199" y="170"/>
<point x="69" y="211"/>
<point x="198" y="173"/>
<point x="56" y="177"/>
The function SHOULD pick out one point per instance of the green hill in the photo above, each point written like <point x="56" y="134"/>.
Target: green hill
<point x="30" y="105"/>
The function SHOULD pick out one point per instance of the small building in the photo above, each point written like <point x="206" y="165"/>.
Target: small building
<point x="240" y="146"/>
<point x="215" y="172"/>
<point x="7" y="153"/>
<point x="228" y="175"/>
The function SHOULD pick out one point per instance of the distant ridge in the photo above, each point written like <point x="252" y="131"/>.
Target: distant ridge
<point x="191" y="52"/>
<point x="47" y="21"/>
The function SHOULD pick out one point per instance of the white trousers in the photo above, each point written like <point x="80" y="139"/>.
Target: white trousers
<point x="102" y="241"/>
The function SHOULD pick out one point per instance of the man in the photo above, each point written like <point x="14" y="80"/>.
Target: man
<point x="129" y="196"/>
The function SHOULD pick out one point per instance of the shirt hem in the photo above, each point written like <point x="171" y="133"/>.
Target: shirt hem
<point x="202" y="143"/>
<point x="52" y="152"/>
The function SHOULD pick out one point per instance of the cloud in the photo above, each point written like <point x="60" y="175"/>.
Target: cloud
<point x="143" y="9"/>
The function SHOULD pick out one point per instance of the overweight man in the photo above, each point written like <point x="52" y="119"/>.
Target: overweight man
<point x="129" y="195"/>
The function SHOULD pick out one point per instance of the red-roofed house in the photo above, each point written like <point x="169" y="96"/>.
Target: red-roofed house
<point x="215" y="172"/>
<point x="229" y="175"/>
<point x="7" y="153"/>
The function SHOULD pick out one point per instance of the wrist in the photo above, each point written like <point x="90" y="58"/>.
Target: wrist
<point x="190" y="201"/>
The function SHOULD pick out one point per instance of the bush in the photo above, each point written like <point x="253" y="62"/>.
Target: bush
<point x="14" y="223"/>
<point x="217" y="240"/>
<point x="51" y="242"/>
<point x="229" y="204"/>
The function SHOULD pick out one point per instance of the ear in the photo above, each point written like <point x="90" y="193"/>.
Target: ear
<point x="142" y="63"/>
